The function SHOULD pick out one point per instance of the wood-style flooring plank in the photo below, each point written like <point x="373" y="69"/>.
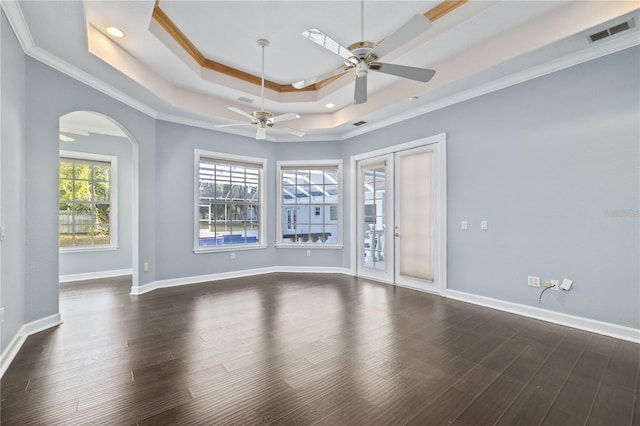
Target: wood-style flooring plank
<point x="305" y="349"/>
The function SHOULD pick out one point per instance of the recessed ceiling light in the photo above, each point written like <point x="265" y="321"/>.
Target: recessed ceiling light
<point x="329" y="105"/>
<point x="116" y="32"/>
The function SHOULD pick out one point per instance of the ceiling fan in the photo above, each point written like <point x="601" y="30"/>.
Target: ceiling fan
<point x="262" y="118"/>
<point x="363" y="55"/>
<point x="64" y="138"/>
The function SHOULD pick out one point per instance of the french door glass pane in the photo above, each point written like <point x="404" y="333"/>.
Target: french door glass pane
<point x="374" y="190"/>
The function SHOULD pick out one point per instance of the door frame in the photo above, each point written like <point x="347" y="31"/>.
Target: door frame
<point x="440" y="207"/>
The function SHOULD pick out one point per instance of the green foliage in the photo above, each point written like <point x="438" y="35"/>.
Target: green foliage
<point x="84" y="207"/>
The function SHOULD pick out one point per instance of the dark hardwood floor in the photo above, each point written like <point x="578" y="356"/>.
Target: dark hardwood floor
<point x="311" y="349"/>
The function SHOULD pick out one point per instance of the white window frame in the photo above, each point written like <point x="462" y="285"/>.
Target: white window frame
<point x="309" y="164"/>
<point x="113" y="199"/>
<point x="259" y="163"/>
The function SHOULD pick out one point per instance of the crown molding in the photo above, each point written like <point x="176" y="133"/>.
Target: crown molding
<point x="19" y="25"/>
<point x="593" y="52"/>
<point x="16" y="19"/>
<point x="190" y="48"/>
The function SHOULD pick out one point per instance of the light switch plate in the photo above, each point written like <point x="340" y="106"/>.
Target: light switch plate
<point x="484" y="225"/>
<point x="464" y="225"/>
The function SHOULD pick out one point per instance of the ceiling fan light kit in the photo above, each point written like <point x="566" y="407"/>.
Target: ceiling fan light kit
<point x="362" y="55"/>
<point x="263" y="119"/>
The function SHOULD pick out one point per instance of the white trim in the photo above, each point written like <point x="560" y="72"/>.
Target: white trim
<point x="440" y="262"/>
<point x="232" y="247"/>
<point x="95" y="275"/>
<point x="18" y="340"/>
<point x="302" y="164"/>
<point x="81" y="249"/>
<point x="135" y="209"/>
<point x="198" y="279"/>
<point x="113" y="199"/>
<point x="18" y="23"/>
<point x="258" y="163"/>
<point x="429" y="140"/>
<point x="594" y="52"/>
<point x="314" y="246"/>
<point x="581" y="323"/>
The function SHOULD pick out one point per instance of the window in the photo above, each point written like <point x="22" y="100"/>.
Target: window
<point x="310" y="196"/>
<point x="230" y="202"/>
<point x="87" y="201"/>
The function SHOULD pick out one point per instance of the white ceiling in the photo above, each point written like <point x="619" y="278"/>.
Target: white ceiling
<point x="478" y="47"/>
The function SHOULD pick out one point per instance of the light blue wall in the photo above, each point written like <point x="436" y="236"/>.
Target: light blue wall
<point x="174" y="210"/>
<point x="50" y="95"/>
<point x="12" y="206"/>
<point x="111" y="260"/>
<point x="175" y="199"/>
<point x="543" y="162"/>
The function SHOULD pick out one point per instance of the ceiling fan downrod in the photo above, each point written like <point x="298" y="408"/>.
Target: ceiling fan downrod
<point x="262" y="43"/>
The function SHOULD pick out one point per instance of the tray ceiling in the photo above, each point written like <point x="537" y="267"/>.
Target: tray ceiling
<point x="157" y="67"/>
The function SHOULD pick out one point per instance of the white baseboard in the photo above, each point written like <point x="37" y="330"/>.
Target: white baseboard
<point x="18" y="340"/>
<point x="136" y="291"/>
<point x="95" y="275"/>
<point x="594" y="326"/>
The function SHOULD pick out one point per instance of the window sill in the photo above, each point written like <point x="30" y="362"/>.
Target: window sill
<point x="201" y="250"/>
<point x="83" y="249"/>
<point x="310" y="245"/>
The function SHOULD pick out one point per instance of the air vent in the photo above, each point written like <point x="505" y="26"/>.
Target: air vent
<point x="360" y="123"/>
<point x="245" y="100"/>
<point x="618" y="28"/>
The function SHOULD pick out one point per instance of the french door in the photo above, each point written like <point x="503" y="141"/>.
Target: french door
<point x="400" y="228"/>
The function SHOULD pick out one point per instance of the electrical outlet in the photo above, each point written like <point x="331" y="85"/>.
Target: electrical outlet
<point x="145" y="267"/>
<point x="464" y="225"/>
<point x="566" y="284"/>
<point x="308" y="253"/>
<point x="233" y="256"/>
<point x="533" y="281"/>
<point x="555" y="285"/>
<point x="484" y="225"/>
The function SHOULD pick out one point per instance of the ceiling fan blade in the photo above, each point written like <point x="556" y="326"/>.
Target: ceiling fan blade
<point x="241" y="112"/>
<point x="320" y="38"/>
<point x="413" y="73"/>
<point x="64" y="138"/>
<point x="290" y="130"/>
<point x="74" y="131"/>
<point x="232" y="125"/>
<point x="312" y="80"/>
<point x="261" y="133"/>
<point x="360" y="96"/>
<point x="285" y="117"/>
<point x="413" y="28"/>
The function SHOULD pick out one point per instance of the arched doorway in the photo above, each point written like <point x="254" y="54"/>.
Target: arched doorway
<point x="98" y="201"/>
